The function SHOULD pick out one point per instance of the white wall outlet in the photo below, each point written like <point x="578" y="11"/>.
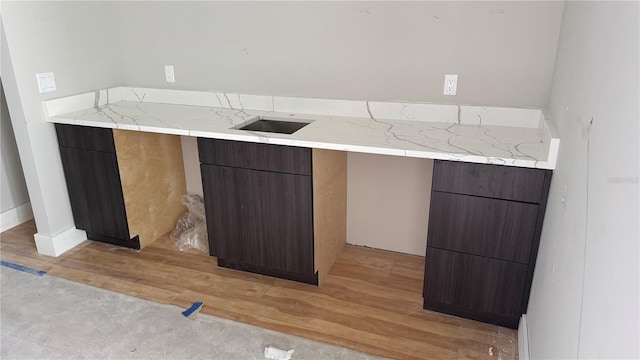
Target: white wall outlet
<point x="169" y="74"/>
<point x="46" y="82"/>
<point x="450" y="84"/>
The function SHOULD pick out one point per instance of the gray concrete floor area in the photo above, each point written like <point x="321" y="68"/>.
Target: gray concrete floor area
<point x="43" y="317"/>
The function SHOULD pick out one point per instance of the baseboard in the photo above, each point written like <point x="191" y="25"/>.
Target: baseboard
<point x="58" y="244"/>
<point x="16" y="216"/>
<point x="523" y="339"/>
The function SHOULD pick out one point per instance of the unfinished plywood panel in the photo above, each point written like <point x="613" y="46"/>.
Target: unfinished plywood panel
<point x="152" y="176"/>
<point x="329" y="207"/>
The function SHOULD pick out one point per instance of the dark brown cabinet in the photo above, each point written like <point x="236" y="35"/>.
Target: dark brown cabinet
<point x="124" y="186"/>
<point x="93" y="182"/>
<point x="259" y="207"/>
<point x="484" y="229"/>
<point x="470" y="285"/>
<point x="495" y="228"/>
<point x="265" y="216"/>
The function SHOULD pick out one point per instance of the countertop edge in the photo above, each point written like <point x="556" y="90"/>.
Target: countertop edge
<point x="57" y="108"/>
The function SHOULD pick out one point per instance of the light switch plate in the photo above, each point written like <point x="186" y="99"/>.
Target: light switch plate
<point x="46" y="82"/>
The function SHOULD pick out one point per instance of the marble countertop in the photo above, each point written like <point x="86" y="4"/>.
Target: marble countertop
<point x="507" y="136"/>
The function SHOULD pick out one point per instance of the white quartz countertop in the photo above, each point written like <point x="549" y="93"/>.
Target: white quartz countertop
<point x="507" y="136"/>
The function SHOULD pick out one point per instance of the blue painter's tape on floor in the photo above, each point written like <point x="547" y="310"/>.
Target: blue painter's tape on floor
<point x="22" y="268"/>
<point x="194" y="309"/>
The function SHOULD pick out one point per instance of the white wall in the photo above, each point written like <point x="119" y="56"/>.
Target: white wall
<point x="13" y="190"/>
<point x="584" y="301"/>
<point x="14" y="200"/>
<point x="75" y="41"/>
<point x="388" y="202"/>
<point x="502" y="51"/>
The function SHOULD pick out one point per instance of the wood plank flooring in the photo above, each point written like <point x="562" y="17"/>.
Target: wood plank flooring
<point x="371" y="300"/>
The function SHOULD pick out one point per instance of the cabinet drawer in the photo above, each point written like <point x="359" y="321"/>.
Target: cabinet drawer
<point x="269" y="157"/>
<point x="85" y="137"/>
<point x="495" y="181"/>
<point x="493" y="228"/>
<point x="473" y="286"/>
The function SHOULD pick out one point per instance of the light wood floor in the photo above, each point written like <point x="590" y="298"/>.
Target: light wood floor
<point x="371" y="300"/>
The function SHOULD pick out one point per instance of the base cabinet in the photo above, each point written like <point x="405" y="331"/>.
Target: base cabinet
<point x="124" y="186"/>
<point x="274" y="210"/>
<point x="484" y="228"/>
<point x="93" y="182"/>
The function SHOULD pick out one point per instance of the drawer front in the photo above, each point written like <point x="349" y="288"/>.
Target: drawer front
<point x="85" y="137"/>
<point x="473" y="286"/>
<point x="269" y="157"/>
<point x="481" y="226"/>
<point x="495" y="181"/>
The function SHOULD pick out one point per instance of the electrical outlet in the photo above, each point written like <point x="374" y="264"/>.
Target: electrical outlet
<point x="450" y="84"/>
<point x="169" y="74"/>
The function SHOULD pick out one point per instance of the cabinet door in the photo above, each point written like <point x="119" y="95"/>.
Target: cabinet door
<point x="93" y="182"/>
<point x="473" y="286"/>
<point x="259" y="218"/>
